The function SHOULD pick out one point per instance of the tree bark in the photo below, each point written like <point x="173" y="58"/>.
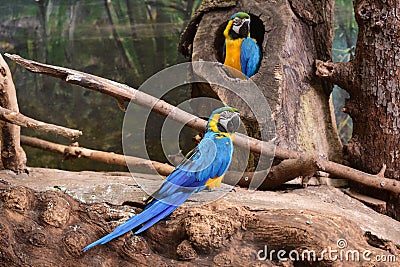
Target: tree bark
<point x="372" y="80"/>
<point x="292" y="34"/>
<point x="12" y="155"/>
<point x="50" y="228"/>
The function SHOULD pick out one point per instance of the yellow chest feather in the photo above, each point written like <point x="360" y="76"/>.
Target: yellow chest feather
<point x="232" y="53"/>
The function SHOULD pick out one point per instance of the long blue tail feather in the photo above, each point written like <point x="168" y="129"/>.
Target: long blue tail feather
<point x="156" y="212"/>
<point x="157" y="218"/>
<point x="167" y="211"/>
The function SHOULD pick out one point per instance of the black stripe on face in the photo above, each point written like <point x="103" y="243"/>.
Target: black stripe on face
<point x="221" y="128"/>
<point x="244" y="30"/>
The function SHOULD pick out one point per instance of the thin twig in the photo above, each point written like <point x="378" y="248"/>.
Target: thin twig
<point x="102" y="156"/>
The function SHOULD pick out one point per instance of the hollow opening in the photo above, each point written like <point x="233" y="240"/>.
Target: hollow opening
<point x="257" y="32"/>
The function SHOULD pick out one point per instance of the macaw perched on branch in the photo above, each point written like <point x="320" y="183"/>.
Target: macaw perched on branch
<point x="240" y="50"/>
<point x="204" y="167"/>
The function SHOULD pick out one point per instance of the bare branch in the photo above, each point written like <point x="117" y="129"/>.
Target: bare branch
<point x="285" y="171"/>
<point x="106" y="157"/>
<point x="23" y="121"/>
<point x="308" y="165"/>
<point x="376" y="181"/>
<point x="125" y="93"/>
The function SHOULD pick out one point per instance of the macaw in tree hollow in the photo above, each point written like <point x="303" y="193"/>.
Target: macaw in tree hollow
<point x="240" y="50"/>
<point x="204" y="167"/>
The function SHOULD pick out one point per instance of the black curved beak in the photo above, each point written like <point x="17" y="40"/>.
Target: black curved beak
<point x="233" y="123"/>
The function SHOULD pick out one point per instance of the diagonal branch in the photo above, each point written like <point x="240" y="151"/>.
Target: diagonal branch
<point x="125" y="93"/>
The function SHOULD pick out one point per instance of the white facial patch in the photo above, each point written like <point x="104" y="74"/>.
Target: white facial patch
<point x="237" y="24"/>
<point x="236" y="28"/>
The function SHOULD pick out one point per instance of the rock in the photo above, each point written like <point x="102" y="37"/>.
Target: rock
<point x="185" y="251"/>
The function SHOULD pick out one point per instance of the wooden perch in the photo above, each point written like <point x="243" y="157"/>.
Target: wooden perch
<point x="125" y="93"/>
<point x="23" y="121"/>
<point x="376" y="181"/>
<point x="106" y="157"/>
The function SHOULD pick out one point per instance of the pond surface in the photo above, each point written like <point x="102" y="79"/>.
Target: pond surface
<point x="126" y="41"/>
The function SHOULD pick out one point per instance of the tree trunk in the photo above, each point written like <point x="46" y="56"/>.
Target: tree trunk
<point x="372" y="80"/>
<point x="292" y="34"/>
<point x="12" y="155"/>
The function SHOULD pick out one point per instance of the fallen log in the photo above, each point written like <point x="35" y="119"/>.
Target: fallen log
<point x="241" y="229"/>
<point x="125" y="93"/>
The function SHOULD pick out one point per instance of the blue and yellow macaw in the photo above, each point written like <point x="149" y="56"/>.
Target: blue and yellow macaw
<point x="240" y="50"/>
<point x="204" y="167"/>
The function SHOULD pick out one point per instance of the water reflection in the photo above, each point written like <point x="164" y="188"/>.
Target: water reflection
<point x="123" y="40"/>
<point x="126" y="41"/>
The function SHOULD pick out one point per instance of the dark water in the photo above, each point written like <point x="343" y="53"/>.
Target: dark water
<point x="127" y="41"/>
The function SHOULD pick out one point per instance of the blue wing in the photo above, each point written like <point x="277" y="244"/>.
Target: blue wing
<point x="250" y="57"/>
<point x="210" y="159"/>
